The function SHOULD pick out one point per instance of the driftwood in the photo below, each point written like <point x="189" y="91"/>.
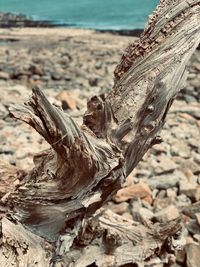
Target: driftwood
<point x="52" y="215"/>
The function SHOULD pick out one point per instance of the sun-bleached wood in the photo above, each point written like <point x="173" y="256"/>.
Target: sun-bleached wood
<point x="51" y="215"/>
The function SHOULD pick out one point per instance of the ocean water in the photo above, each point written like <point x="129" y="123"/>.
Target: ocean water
<point x="97" y="14"/>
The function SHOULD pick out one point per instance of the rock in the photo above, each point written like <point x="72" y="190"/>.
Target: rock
<point x="35" y="77"/>
<point x="192" y="190"/>
<point x="193" y="227"/>
<point x="190" y="98"/>
<point x="196" y="157"/>
<point x="127" y="215"/>
<point x="93" y="81"/>
<point x="190" y="176"/>
<point x="167" y="214"/>
<point x="67" y="101"/>
<point x="163" y="164"/>
<point x="191" y="210"/>
<point x="163" y="181"/>
<point x="144" y="213"/>
<point x="197" y="66"/>
<point x="190" y="240"/>
<point x="191" y="109"/>
<point x="159" y="149"/>
<point x="197" y="238"/>
<point x="191" y="167"/>
<point x="195" y="82"/>
<point x="180" y="256"/>
<point x="46" y="78"/>
<point x="118" y="208"/>
<point x="182" y="201"/>
<point x="130" y="179"/>
<point x="36" y="70"/>
<point x="192" y="255"/>
<point x="197" y="215"/>
<point x="161" y="194"/>
<point x="186" y="117"/>
<point x="3" y="111"/>
<point x="180" y="148"/>
<point x="191" y="76"/>
<point x="140" y="173"/>
<point x="4" y="75"/>
<point x="8" y="20"/>
<point x="140" y="190"/>
<point x="171" y="192"/>
<point x="56" y="76"/>
<point x="162" y="203"/>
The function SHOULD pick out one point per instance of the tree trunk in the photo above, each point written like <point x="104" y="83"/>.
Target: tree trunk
<point x="53" y="215"/>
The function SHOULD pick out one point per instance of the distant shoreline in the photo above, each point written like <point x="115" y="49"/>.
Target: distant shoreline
<point x="11" y="20"/>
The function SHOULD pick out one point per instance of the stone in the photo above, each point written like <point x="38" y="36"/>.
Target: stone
<point x="191" y="167"/>
<point x="3" y="111"/>
<point x="145" y="213"/>
<point x="191" y="210"/>
<point x="193" y="227"/>
<point x="159" y="149"/>
<point x="197" y="215"/>
<point x="167" y="214"/>
<point x="67" y="101"/>
<point x="36" y="70"/>
<point x="192" y="255"/>
<point x="192" y="190"/>
<point x="180" y="148"/>
<point x="197" y="66"/>
<point x="180" y="256"/>
<point x="127" y="215"/>
<point x="191" y="109"/>
<point x="140" y="190"/>
<point x="164" y="181"/>
<point x="56" y="76"/>
<point x="118" y="208"/>
<point x="4" y="75"/>
<point x="46" y="78"/>
<point x="195" y="82"/>
<point x="93" y="81"/>
<point x="161" y="194"/>
<point x="190" y="98"/>
<point x="35" y="77"/>
<point x="197" y="238"/>
<point x="186" y="117"/>
<point x="171" y="192"/>
<point x="163" y="164"/>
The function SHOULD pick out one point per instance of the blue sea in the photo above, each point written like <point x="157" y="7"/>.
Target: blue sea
<point x="95" y="14"/>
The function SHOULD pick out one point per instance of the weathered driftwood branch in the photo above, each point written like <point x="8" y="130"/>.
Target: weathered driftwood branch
<point x="87" y="164"/>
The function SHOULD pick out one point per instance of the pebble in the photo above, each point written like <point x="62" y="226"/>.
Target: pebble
<point x="167" y="214"/>
<point x="192" y="190"/>
<point x="163" y="181"/>
<point x="140" y="190"/>
<point x="67" y="101"/>
<point x="192" y="255"/>
<point x="4" y="75"/>
<point x="145" y="213"/>
<point x="118" y="208"/>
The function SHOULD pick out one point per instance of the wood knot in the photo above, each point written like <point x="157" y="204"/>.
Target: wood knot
<point x="94" y="117"/>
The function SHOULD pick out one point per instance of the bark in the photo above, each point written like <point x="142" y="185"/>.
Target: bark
<point x="51" y="215"/>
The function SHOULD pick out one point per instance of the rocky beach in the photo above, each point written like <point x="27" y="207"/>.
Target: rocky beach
<point x="72" y="65"/>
